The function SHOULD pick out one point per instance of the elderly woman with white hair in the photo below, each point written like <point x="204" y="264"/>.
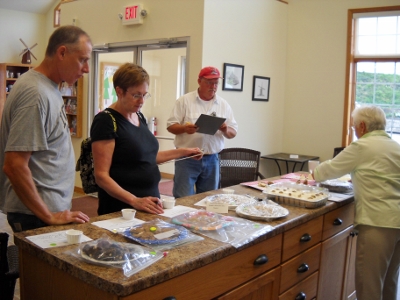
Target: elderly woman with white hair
<point x="373" y="162"/>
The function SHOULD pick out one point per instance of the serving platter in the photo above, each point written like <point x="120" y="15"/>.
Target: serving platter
<point x="233" y="200"/>
<point x="297" y="194"/>
<point x="261" y="211"/>
<point x="202" y="220"/>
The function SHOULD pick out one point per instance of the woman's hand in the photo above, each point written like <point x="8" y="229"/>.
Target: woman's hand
<point x="149" y="204"/>
<point x="193" y="151"/>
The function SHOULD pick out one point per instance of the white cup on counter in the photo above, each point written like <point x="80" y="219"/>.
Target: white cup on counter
<point x="168" y="202"/>
<point x="74" y="236"/>
<point x="128" y="213"/>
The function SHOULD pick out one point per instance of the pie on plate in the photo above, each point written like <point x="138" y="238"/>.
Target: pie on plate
<point x="261" y="211"/>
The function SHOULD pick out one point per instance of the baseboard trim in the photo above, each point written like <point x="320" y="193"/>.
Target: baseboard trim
<point x="167" y="175"/>
<point x="78" y="189"/>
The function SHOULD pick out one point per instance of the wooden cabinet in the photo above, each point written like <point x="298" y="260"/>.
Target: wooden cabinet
<point x="73" y="97"/>
<point x="239" y="275"/>
<point x="265" y="286"/>
<point x="8" y="75"/>
<point x="337" y="266"/>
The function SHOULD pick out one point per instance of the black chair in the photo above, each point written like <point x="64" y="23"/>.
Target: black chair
<point x="337" y="150"/>
<point x="8" y="267"/>
<point x="238" y="165"/>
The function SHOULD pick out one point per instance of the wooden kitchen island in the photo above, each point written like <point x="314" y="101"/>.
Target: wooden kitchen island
<point x="308" y="254"/>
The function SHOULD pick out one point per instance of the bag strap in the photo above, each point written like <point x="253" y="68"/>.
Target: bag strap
<point x="112" y="117"/>
<point x="141" y="117"/>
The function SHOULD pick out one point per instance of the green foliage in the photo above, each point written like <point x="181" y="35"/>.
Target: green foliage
<point x="384" y="89"/>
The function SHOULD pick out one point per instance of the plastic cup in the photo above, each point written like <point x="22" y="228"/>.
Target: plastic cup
<point x="74" y="236"/>
<point x="168" y="203"/>
<point x="312" y="164"/>
<point x="128" y="213"/>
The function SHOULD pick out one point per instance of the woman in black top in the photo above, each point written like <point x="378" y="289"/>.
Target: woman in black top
<point x="126" y="157"/>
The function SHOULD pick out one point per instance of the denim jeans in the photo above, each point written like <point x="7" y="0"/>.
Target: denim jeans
<point x="196" y="176"/>
<point x="21" y="222"/>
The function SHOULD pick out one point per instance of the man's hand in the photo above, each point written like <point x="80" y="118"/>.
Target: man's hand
<point x="67" y="216"/>
<point x="190" y="128"/>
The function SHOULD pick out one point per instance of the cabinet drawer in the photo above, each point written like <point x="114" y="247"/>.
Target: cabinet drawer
<point x="218" y="277"/>
<point x="299" y="267"/>
<point x="301" y="238"/>
<point x="337" y="220"/>
<point x="308" y="287"/>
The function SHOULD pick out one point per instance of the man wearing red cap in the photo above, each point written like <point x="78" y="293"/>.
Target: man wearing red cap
<point x="198" y="176"/>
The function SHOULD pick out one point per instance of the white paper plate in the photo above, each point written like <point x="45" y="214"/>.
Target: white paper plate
<point x="232" y="200"/>
<point x="261" y="211"/>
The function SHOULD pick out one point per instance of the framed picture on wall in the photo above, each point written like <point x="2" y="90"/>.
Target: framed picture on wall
<point x="233" y="77"/>
<point x="261" y="88"/>
<point x="107" y="92"/>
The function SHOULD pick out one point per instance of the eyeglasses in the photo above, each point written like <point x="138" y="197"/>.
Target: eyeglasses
<point x="138" y="96"/>
<point x="210" y="83"/>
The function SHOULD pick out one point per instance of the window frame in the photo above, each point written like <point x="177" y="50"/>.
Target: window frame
<point x="351" y="72"/>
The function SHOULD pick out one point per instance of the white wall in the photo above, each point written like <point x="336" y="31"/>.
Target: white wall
<point x="27" y="26"/>
<point x="315" y="77"/>
<point x="253" y="34"/>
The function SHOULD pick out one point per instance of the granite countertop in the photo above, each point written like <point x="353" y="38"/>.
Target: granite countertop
<point x="177" y="262"/>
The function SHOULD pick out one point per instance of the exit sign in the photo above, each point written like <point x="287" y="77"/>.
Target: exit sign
<point x="132" y="15"/>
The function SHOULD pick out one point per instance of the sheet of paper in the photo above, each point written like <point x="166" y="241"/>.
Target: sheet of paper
<point x="209" y="124"/>
<point x="221" y="208"/>
<point x="176" y="211"/>
<point x="202" y="202"/>
<point x="336" y="197"/>
<point x="117" y="224"/>
<point x="53" y="239"/>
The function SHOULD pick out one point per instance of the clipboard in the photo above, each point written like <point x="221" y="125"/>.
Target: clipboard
<point x="209" y="124"/>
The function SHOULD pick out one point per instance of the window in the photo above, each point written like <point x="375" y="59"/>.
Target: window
<point x="373" y="69"/>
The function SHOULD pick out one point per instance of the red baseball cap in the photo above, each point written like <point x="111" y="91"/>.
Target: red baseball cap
<point x="209" y="73"/>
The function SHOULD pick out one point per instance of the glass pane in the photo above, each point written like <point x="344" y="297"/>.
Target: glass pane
<point x="377" y="36"/>
<point x="387" y="25"/>
<point x="366" y="45"/>
<point x="364" y="93"/>
<point x="383" y="94"/>
<point x="396" y="100"/>
<point x="365" y="72"/>
<point x="385" y="72"/>
<point x="367" y="26"/>
<point x="386" y="44"/>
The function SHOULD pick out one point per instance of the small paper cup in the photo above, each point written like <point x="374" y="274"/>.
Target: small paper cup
<point x="168" y="203"/>
<point x="74" y="236"/>
<point x="128" y="213"/>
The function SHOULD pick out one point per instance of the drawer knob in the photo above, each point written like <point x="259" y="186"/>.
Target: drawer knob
<point x="173" y="298"/>
<point x="300" y="296"/>
<point x="305" y="238"/>
<point x="303" y="268"/>
<point x="337" y="222"/>
<point x="262" y="259"/>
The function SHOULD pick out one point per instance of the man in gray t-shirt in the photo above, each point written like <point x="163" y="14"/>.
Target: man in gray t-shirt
<point x="37" y="175"/>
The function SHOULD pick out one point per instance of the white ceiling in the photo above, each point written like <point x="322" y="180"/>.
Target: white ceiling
<point x="32" y="6"/>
